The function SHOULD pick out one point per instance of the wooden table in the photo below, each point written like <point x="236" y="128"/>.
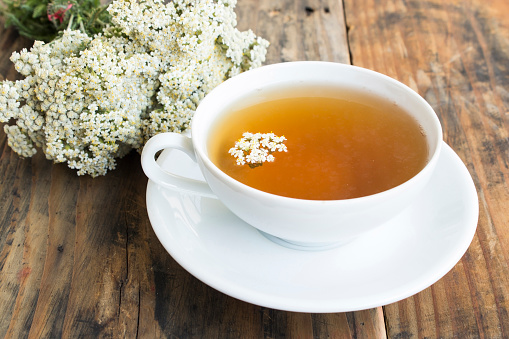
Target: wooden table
<point x="78" y="256"/>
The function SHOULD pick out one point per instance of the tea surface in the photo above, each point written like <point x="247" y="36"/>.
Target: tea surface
<point x="337" y="149"/>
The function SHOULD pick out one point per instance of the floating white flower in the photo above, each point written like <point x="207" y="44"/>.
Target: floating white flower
<point x="257" y="148"/>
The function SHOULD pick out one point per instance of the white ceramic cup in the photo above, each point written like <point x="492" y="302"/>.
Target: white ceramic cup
<point x="301" y="223"/>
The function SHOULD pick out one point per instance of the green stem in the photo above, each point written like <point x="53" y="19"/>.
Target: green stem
<point x="69" y="26"/>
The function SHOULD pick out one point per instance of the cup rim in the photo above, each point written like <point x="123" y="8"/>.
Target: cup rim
<point x="198" y="139"/>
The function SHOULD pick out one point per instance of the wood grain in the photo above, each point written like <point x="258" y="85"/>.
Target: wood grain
<point x="456" y="55"/>
<point x="297" y="30"/>
<point x="78" y="257"/>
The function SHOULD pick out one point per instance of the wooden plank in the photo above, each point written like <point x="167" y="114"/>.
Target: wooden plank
<point x="54" y="288"/>
<point x="297" y="30"/>
<point x="456" y="55"/>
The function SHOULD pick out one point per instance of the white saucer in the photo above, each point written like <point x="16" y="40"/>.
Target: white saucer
<point x="397" y="260"/>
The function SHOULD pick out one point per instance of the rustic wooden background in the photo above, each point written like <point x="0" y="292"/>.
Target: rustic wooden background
<point x="78" y="257"/>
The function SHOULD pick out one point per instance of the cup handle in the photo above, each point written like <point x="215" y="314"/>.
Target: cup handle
<point x="157" y="174"/>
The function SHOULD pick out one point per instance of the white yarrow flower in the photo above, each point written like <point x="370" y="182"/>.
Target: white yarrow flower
<point x="255" y="149"/>
<point x="89" y="100"/>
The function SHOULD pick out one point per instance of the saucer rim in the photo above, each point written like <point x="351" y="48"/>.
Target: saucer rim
<point x="257" y="297"/>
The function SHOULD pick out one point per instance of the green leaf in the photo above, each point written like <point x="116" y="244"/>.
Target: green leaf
<point x="40" y="10"/>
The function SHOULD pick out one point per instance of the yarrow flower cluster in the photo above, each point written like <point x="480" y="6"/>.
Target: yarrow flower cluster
<point x="255" y="149"/>
<point x="87" y="100"/>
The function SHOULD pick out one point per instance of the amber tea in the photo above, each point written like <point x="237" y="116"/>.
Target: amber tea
<point x="337" y="148"/>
